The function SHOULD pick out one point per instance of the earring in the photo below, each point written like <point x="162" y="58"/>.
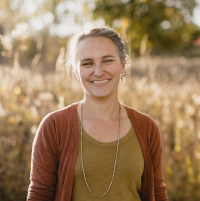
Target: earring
<point x="79" y="83"/>
<point x="121" y="79"/>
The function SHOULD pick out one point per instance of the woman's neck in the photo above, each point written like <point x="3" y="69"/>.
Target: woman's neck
<point x="100" y="110"/>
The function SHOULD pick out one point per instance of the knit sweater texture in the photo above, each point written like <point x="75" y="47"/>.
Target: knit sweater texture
<point x="55" y="149"/>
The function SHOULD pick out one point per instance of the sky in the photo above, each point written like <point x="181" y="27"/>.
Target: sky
<point x="196" y="14"/>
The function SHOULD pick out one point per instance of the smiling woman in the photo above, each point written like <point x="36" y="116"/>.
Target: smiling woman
<point x="97" y="148"/>
<point x="99" y="67"/>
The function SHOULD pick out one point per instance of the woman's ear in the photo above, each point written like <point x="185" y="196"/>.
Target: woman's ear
<point x="123" y="68"/>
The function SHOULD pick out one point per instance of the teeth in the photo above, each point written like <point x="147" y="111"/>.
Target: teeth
<point x="99" y="82"/>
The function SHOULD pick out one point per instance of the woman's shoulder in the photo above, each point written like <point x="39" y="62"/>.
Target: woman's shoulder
<point x="141" y="117"/>
<point x="59" y="117"/>
<point x="144" y="125"/>
<point x="55" y="123"/>
<point x="68" y="110"/>
<point x="61" y="114"/>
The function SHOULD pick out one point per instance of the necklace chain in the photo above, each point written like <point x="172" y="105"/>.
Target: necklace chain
<point x="99" y="196"/>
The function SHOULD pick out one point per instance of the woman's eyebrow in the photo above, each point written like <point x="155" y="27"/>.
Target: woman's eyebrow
<point x="88" y="59"/>
<point x="107" y="56"/>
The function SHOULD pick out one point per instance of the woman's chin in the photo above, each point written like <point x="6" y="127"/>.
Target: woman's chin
<point x="98" y="95"/>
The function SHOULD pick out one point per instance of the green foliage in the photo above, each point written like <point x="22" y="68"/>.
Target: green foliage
<point x="168" y="25"/>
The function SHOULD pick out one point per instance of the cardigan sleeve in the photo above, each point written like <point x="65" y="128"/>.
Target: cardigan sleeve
<point x="156" y="157"/>
<point x="44" y="162"/>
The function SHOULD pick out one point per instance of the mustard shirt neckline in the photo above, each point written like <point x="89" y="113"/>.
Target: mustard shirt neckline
<point x="97" y="143"/>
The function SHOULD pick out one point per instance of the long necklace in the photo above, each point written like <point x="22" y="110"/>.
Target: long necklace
<point x="99" y="196"/>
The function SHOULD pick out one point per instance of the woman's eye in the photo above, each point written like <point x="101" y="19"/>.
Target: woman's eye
<point x="107" y="61"/>
<point x="87" y="64"/>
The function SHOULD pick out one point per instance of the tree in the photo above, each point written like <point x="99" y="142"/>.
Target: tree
<point x="23" y="24"/>
<point x="166" y="23"/>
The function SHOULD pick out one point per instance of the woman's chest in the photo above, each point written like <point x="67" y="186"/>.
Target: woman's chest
<point x="99" y="158"/>
<point x="107" y="131"/>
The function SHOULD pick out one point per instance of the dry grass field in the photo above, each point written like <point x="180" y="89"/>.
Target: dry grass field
<point x="168" y="89"/>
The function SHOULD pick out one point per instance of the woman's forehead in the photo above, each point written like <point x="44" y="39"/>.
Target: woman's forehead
<point x="96" y="46"/>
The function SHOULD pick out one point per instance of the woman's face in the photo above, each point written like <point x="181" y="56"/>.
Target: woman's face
<point x="99" y="66"/>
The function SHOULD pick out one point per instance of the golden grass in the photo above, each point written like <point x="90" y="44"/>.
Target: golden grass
<point x="165" y="88"/>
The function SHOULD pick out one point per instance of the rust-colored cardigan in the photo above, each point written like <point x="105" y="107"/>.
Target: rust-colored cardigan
<point x="55" y="149"/>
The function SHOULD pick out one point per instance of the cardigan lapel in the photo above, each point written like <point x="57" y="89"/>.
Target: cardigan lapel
<point x="146" y="189"/>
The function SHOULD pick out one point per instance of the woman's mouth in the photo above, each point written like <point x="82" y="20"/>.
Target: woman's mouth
<point x="100" y="82"/>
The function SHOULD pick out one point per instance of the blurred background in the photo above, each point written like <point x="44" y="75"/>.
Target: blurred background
<point x="163" y="80"/>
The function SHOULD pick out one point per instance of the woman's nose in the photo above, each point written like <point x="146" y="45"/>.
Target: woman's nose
<point x="98" y="70"/>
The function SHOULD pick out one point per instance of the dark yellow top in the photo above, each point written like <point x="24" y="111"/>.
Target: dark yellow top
<point x="98" y="159"/>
